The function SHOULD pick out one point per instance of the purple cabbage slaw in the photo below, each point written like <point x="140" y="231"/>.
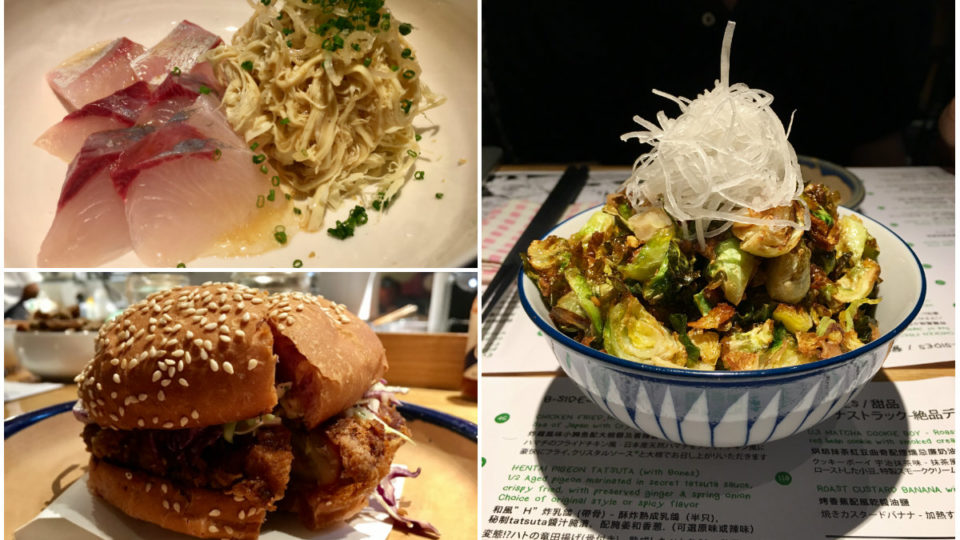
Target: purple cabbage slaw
<point x="386" y="496"/>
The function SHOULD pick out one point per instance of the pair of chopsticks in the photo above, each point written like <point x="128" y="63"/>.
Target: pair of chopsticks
<point x="563" y="194"/>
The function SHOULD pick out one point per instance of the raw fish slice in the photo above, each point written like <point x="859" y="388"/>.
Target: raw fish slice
<point x="116" y="111"/>
<point x="180" y="48"/>
<point x="178" y="92"/>
<point x="191" y="194"/>
<point x="206" y="116"/>
<point x="95" y="73"/>
<point x="90" y="227"/>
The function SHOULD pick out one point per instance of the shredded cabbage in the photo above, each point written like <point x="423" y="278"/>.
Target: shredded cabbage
<point x="328" y="91"/>
<point x="727" y="152"/>
<point x="386" y="496"/>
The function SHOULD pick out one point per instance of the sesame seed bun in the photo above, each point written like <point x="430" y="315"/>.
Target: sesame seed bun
<point x="330" y="355"/>
<point x="202" y="356"/>
<point x="183" y="358"/>
<point x="195" y="511"/>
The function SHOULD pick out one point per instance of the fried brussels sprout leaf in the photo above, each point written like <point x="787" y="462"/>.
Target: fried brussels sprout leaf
<point x="632" y="333"/>
<point x="734" y="267"/>
<point x="649" y="257"/>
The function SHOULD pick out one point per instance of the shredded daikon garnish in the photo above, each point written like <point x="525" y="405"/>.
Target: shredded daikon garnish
<point x="726" y="153"/>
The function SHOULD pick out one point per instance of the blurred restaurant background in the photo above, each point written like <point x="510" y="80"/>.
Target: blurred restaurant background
<point x="870" y="83"/>
<point x="422" y="318"/>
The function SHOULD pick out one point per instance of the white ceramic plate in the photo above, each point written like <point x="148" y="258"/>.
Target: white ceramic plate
<point x="418" y="231"/>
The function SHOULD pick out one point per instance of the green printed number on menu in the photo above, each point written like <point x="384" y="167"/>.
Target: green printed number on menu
<point x="783" y="478"/>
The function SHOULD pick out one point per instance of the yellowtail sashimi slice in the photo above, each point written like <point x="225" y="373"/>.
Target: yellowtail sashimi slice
<point x="116" y="111"/>
<point x="181" y="49"/>
<point x="95" y="73"/>
<point x="90" y="227"/>
<point x="184" y="193"/>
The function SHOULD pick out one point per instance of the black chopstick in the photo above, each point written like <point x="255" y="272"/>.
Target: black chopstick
<point x="563" y="194"/>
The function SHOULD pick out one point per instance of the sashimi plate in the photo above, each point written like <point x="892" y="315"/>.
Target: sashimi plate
<point x="419" y="230"/>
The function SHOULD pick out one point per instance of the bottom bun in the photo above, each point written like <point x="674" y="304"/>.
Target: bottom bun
<point x="198" y="512"/>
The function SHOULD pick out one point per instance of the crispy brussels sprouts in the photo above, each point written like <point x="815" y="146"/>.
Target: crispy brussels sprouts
<point x="648" y="257"/>
<point x="788" y="276"/>
<point x="793" y="318"/>
<point x="552" y="253"/>
<point x="569" y="315"/>
<point x="735" y="267"/>
<point x="853" y="237"/>
<point x="649" y="222"/>
<point x="857" y="283"/>
<point x="599" y="222"/>
<point x="766" y="241"/>
<point x="586" y="296"/>
<point x="709" y="345"/>
<point x="784" y="354"/>
<point x="634" y="334"/>
<point x="671" y="284"/>
<point x="630" y="282"/>
<point x="741" y="350"/>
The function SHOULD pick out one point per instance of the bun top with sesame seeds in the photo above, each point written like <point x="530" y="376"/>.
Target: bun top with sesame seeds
<point x="205" y="355"/>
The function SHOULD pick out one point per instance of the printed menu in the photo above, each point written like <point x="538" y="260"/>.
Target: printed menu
<point x="555" y="466"/>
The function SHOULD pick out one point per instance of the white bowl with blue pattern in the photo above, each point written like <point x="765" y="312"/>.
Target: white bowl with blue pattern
<point x="730" y="409"/>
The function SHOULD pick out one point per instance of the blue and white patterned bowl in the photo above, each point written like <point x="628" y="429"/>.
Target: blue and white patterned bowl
<point x="723" y="408"/>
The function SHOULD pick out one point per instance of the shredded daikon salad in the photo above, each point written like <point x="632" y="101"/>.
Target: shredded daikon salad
<point x="725" y="154"/>
<point x="327" y="90"/>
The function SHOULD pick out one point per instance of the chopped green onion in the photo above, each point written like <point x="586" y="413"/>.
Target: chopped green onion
<point x="411" y="153"/>
<point x="247" y="65"/>
<point x="405" y="105"/>
<point x="376" y="205"/>
<point x="418" y="175"/>
<point x="405" y="29"/>
<point x="203" y="89"/>
<point x="417" y="137"/>
<point x="175" y="70"/>
<point x="264" y="169"/>
<point x="260" y="201"/>
<point x="272" y="195"/>
<point x="287" y="196"/>
<point x="394" y="68"/>
<point x="265" y="2"/>
<point x="254" y="146"/>
<point x="366" y="62"/>
<point x="297" y="211"/>
<point x="275" y="180"/>
<point x="344" y="229"/>
<point x="297" y="263"/>
<point x="280" y="236"/>
<point x="355" y="46"/>
<point x="285" y="121"/>
<point x="259" y="158"/>
<point x="406" y="53"/>
<point x="287" y="31"/>
<point x="181" y="265"/>
<point x="438" y="195"/>
<point x="409" y="74"/>
<point x="337" y="42"/>
<point x="289" y="43"/>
